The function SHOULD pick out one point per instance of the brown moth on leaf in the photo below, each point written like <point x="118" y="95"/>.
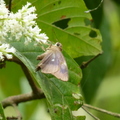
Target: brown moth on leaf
<point x="53" y="62"/>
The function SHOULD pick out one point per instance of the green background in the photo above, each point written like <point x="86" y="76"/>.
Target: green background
<point x="101" y="79"/>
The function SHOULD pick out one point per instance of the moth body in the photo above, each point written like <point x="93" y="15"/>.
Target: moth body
<point x="53" y="62"/>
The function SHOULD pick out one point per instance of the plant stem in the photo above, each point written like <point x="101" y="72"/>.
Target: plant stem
<point x="90" y="113"/>
<point x="15" y="100"/>
<point x="33" y="85"/>
<point x="102" y="110"/>
<point x="85" y="64"/>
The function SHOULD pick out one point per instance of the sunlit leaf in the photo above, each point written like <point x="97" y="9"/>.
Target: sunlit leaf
<point x="66" y="21"/>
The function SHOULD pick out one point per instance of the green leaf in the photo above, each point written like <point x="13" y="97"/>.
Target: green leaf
<point x="2" y="115"/>
<point x="61" y="96"/>
<point x="76" y="36"/>
<point x="67" y="22"/>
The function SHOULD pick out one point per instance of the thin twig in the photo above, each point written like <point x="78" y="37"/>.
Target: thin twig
<point x="32" y="83"/>
<point x="102" y="110"/>
<point x="15" y="100"/>
<point x="88" y="11"/>
<point x="10" y="101"/>
<point x="85" y="64"/>
<point x="96" y="118"/>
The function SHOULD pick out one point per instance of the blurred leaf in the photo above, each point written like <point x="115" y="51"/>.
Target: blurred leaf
<point x="10" y="80"/>
<point x="117" y="2"/>
<point x="2" y="116"/>
<point x="75" y="35"/>
<point x="108" y="96"/>
<point x="95" y="72"/>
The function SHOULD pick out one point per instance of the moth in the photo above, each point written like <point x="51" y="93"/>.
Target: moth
<point x="53" y="62"/>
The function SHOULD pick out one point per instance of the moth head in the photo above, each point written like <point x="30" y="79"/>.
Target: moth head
<point x="59" y="45"/>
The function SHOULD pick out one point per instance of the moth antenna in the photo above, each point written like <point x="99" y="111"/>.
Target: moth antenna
<point x="41" y="45"/>
<point x="88" y="11"/>
<point x="49" y="46"/>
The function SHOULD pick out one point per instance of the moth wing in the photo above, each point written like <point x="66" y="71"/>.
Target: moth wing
<point x="55" y="64"/>
<point x="49" y="63"/>
<point x="62" y="72"/>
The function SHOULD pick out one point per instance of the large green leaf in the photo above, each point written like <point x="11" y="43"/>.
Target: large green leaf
<point x="63" y="97"/>
<point x="77" y="36"/>
<point x="2" y="116"/>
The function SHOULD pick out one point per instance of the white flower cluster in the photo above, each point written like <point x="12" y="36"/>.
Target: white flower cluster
<point x="15" y="26"/>
<point x="20" y="24"/>
<point x="5" y="51"/>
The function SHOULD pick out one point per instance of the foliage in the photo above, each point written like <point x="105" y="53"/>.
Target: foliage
<point x="67" y="22"/>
